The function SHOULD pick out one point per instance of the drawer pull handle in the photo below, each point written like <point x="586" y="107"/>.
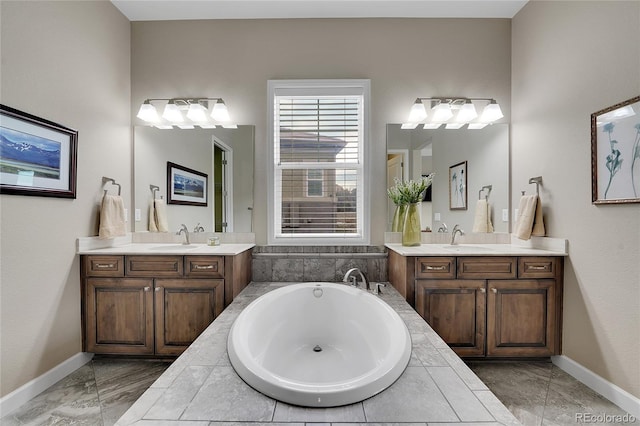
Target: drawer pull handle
<point x="105" y="265"/>
<point x="202" y="266"/>
<point x="436" y="268"/>
<point x="538" y="268"/>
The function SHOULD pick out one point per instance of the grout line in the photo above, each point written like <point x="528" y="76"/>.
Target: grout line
<point x="546" y="397"/>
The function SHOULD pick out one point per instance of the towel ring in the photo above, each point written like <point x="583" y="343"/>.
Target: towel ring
<point x="488" y="188"/>
<point x="106" y="180"/>
<point x="538" y="181"/>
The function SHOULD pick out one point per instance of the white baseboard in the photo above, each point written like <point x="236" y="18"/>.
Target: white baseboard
<point x="24" y="393"/>
<point x="613" y="393"/>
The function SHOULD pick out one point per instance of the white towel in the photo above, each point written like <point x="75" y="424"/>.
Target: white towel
<point x="111" y="217"/>
<point x="530" y="221"/>
<point x="158" y="216"/>
<point x="482" y="218"/>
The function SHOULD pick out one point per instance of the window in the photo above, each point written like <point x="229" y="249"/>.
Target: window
<point x="318" y="139"/>
<point x="315" y="180"/>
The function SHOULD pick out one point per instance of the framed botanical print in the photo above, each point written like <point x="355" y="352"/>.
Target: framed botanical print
<point x="615" y="153"/>
<point x="458" y="186"/>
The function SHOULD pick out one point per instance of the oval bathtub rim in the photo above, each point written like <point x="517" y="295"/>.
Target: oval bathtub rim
<point x="299" y="391"/>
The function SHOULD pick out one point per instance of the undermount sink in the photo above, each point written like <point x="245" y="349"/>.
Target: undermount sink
<point x="174" y="247"/>
<point x="466" y="248"/>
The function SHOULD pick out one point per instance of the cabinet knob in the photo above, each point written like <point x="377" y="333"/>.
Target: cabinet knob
<point x="147" y="288"/>
<point x="494" y="290"/>
<point x="158" y="288"/>
<point x="483" y="290"/>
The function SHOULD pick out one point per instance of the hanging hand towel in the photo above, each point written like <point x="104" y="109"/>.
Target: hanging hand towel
<point x="111" y="217"/>
<point x="538" y="222"/>
<point x="482" y="218"/>
<point x="526" y="214"/>
<point x="153" y="227"/>
<point x="160" y="211"/>
<point x="158" y="216"/>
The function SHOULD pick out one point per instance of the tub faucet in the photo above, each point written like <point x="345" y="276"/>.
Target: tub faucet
<point x="354" y="280"/>
<point x="456" y="230"/>
<point x="183" y="228"/>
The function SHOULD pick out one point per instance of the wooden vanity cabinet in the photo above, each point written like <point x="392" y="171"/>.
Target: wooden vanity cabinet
<point x="155" y="305"/>
<point x="493" y="306"/>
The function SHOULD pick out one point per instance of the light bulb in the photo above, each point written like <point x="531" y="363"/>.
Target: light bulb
<point x="418" y="112"/>
<point x="491" y="113"/>
<point x="172" y="113"/>
<point x="148" y="112"/>
<point x="220" y="112"/>
<point x="197" y="112"/>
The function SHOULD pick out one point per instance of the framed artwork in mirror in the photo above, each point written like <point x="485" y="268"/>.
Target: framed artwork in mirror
<point x="186" y="186"/>
<point x="37" y="156"/>
<point x="615" y="153"/>
<point x="458" y="186"/>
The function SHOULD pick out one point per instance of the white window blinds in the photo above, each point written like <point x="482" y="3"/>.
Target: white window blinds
<point x="318" y="143"/>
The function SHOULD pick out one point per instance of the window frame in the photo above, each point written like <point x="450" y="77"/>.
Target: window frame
<point x="331" y="87"/>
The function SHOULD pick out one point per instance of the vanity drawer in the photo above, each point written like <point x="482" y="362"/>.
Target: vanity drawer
<point x="104" y="266"/>
<point x="487" y="267"/>
<point x="538" y="267"/>
<point x="204" y="266"/>
<point x="154" y="266"/>
<point x="436" y="267"/>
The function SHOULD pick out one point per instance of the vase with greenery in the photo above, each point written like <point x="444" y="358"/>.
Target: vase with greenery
<point x="401" y="207"/>
<point x="412" y="193"/>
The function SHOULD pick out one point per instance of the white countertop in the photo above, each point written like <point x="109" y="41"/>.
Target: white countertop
<point x="169" y="248"/>
<point x="473" y="250"/>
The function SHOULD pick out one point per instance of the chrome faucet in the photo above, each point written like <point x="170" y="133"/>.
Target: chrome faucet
<point x="354" y="280"/>
<point x="183" y="228"/>
<point x="456" y="230"/>
<point x="198" y="228"/>
<point x="443" y="228"/>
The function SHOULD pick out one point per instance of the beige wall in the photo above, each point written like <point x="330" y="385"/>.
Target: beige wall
<point x="571" y="59"/>
<point x="67" y="62"/>
<point x="403" y="58"/>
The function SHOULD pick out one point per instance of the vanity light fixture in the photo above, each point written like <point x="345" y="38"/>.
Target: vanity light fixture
<point x="454" y="112"/>
<point x="185" y="113"/>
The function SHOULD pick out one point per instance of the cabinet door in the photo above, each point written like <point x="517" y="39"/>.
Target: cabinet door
<point x="521" y="318"/>
<point x="119" y="316"/>
<point x="455" y="309"/>
<point x="184" y="308"/>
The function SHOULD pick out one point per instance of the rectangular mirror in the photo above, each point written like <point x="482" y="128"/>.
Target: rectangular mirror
<point x="414" y="153"/>
<point x="225" y="156"/>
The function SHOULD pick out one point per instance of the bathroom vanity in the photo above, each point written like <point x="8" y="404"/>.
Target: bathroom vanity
<point x="485" y="300"/>
<point x="155" y="299"/>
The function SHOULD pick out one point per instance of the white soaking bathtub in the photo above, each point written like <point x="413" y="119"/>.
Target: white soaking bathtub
<point x="319" y="344"/>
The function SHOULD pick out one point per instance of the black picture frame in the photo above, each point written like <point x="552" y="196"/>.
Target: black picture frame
<point x="186" y="186"/>
<point x="37" y="157"/>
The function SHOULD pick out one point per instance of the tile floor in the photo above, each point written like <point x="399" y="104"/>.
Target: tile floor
<point x="537" y="393"/>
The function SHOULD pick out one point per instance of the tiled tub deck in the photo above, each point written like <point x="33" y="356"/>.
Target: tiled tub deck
<point x="201" y="385"/>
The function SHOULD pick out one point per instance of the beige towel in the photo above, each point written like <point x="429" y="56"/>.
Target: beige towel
<point x="538" y="221"/>
<point x="158" y="216"/>
<point x="530" y="221"/>
<point x="482" y="218"/>
<point x="111" y="217"/>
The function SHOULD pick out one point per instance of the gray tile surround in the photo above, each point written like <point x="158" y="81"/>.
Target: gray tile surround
<point x="536" y="393"/>
<point x="317" y="263"/>
<point x="436" y="387"/>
